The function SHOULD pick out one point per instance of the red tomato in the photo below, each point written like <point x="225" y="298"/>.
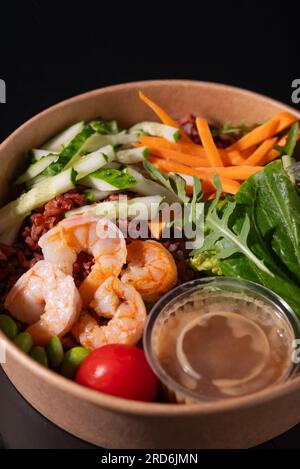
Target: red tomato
<point x="120" y="370"/>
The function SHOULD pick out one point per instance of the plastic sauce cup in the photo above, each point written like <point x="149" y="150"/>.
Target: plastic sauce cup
<point x="218" y="338"/>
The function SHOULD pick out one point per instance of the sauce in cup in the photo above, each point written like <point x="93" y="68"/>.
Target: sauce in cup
<point x="218" y="338"/>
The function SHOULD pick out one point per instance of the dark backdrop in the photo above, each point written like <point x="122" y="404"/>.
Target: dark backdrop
<point x="49" y="52"/>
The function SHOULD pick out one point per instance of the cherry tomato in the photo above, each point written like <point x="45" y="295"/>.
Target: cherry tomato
<point x="120" y="370"/>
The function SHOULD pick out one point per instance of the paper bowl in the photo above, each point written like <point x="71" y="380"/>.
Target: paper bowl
<point x="113" y="422"/>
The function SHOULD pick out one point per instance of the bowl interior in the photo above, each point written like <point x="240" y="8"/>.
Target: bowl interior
<point x="218" y="103"/>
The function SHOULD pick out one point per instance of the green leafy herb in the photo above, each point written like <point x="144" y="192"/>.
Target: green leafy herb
<point x="240" y="266"/>
<point x="228" y="128"/>
<point x="104" y="127"/>
<point x="275" y="206"/>
<point x="220" y="231"/>
<point x="265" y="219"/>
<point x="176" y="184"/>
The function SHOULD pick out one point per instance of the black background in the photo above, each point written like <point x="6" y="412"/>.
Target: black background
<point x="50" y="51"/>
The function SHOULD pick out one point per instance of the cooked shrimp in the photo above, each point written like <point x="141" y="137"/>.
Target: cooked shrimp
<point x="124" y="305"/>
<point x="47" y="299"/>
<point x="151" y="269"/>
<point x="98" y="236"/>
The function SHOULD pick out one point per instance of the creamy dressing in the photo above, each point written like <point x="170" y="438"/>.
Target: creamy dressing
<point x="222" y="345"/>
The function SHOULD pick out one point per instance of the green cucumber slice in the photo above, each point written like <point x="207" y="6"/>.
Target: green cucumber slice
<point x="157" y="130"/>
<point x="62" y="139"/>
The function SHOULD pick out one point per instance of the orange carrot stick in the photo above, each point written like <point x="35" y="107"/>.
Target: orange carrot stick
<point x="237" y="173"/>
<point x="275" y="153"/>
<point x="163" y="116"/>
<point x="229" y="186"/>
<point x="229" y="158"/>
<point x="206" y="195"/>
<point x="179" y="157"/>
<point x="258" y="157"/>
<point x="233" y="156"/>
<point x="185" y="147"/>
<point x="211" y="150"/>
<point x="267" y="130"/>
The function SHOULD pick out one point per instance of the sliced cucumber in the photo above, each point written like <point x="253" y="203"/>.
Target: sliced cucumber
<point x="36" y="168"/>
<point x="141" y="207"/>
<point x="86" y="164"/>
<point x="144" y="208"/>
<point x="36" y="180"/>
<point x="97" y="184"/>
<point x="58" y="142"/>
<point x="35" y="197"/>
<point x="69" y="155"/>
<point x="157" y="130"/>
<point x="97" y="140"/>
<point x="93" y="161"/>
<point x="93" y="195"/>
<point x="133" y="155"/>
<point x="188" y="179"/>
<point x="148" y="187"/>
<point x="36" y="154"/>
<point x="109" y="179"/>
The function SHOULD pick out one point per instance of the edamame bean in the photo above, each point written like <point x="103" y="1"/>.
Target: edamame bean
<point x="8" y="326"/>
<point x="24" y="341"/>
<point x="55" y="352"/>
<point x="72" y="361"/>
<point x="39" y="354"/>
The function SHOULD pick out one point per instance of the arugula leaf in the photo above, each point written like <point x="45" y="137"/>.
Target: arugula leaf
<point x="264" y="220"/>
<point x="274" y="206"/>
<point x="228" y="128"/>
<point x="220" y="231"/>
<point x="197" y="194"/>
<point x="176" y="184"/>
